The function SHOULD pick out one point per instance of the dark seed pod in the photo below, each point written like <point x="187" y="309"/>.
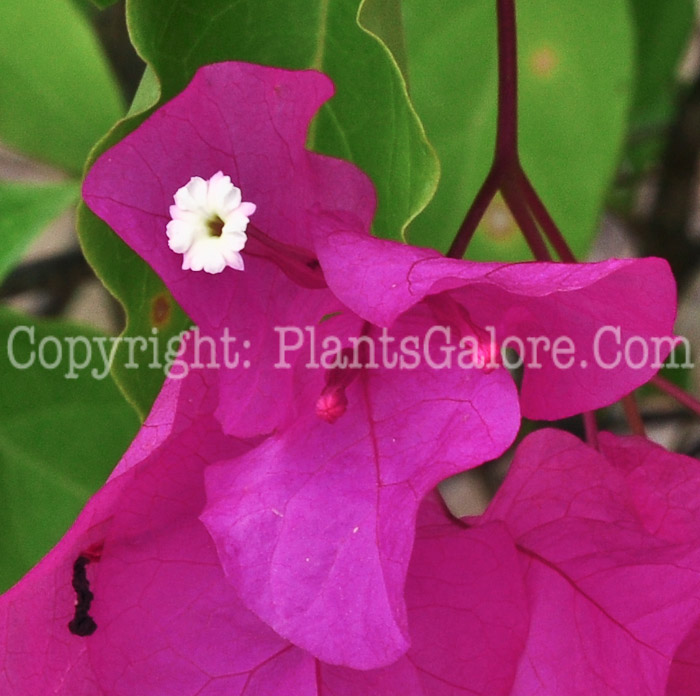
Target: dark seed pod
<point x="82" y="624"/>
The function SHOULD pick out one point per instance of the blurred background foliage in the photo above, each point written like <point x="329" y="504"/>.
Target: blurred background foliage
<point x="610" y="134"/>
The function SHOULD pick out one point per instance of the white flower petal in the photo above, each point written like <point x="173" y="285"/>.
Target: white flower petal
<point x="234" y="259"/>
<point x="191" y="232"/>
<point x="219" y="187"/>
<point x="194" y="259"/>
<point x="233" y="239"/>
<point x="231" y="201"/>
<point x="235" y="223"/>
<point x="215" y="264"/>
<point x="246" y="208"/>
<point x="180" y="236"/>
<point x="192" y="196"/>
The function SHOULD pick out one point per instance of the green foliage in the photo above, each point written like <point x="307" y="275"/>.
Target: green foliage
<point x="662" y="34"/>
<point x="575" y="69"/>
<point x="369" y="121"/>
<point x="679" y="367"/>
<point x="59" y="439"/>
<point x="57" y="95"/>
<point x="147" y="303"/>
<point x="25" y="210"/>
<point x="383" y="19"/>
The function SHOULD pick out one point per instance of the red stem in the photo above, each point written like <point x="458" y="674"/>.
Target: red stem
<point x="476" y="212"/>
<point x="506" y="172"/>
<point x="634" y="418"/>
<point x="530" y="213"/>
<point x="591" y="427"/>
<point x="507" y="135"/>
<point x="506" y="165"/>
<point x="541" y="214"/>
<point x="680" y="395"/>
<point x="526" y="222"/>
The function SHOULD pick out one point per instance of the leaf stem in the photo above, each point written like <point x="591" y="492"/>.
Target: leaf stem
<point x="506" y="173"/>
<point x="541" y="214"/>
<point x="526" y="221"/>
<point x="634" y="418"/>
<point x="507" y="134"/>
<point x="680" y="395"/>
<point x="476" y="212"/>
<point x="591" y="426"/>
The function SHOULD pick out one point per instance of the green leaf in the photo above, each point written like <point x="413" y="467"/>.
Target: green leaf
<point x="102" y="4"/>
<point x="57" y="95"/>
<point x="59" y="437"/>
<point x="147" y="94"/>
<point x="575" y="74"/>
<point x="663" y="31"/>
<point x="383" y="18"/>
<point x="25" y="209"/>
<point x="369" y="121"/>
<point x="148" y="305"/>
<point x="151" y="311"/>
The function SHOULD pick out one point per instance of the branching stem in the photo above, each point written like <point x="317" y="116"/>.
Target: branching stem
<point x="506" y="174"/>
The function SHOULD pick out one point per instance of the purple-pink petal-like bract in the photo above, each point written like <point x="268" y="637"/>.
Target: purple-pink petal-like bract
<point x="168" y="622"/>
<point x="314" y="525"/>
<point x="592" y="593"/>
<point x="610" y="549"/>
<point x="535" y="302"/>
<point x="332" y="516"/>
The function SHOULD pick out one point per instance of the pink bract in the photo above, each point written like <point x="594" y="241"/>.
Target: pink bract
<point x="314" y="526"/>
<point x="611" y="561"/>
<point x="568" y="584"/>
<point x="168" y="622"/>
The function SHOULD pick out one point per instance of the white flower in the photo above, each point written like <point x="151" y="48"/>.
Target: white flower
<point x="208" y="224"/>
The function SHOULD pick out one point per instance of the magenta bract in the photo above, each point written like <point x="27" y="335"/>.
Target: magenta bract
<point x="510" y="604"/>
<point x="314" y="526"/>
<point x="168" y="621"/>
<point x="612" y="569"/>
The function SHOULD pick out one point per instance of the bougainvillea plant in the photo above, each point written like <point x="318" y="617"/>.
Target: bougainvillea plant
<point x="275" y="525"/>
<point x="331" y="494"/>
